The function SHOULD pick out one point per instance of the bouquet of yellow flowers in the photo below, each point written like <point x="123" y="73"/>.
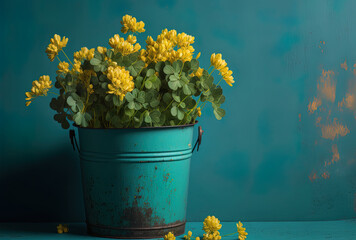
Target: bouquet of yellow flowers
<point x="125" y="86"/>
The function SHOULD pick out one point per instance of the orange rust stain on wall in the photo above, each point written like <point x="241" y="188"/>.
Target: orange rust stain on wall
<point x="325" y="175"/>
<point x="336" y="155"/>
<point x="334" y="130"/>
<point x="344" y="65"/>
<point x="313" y="106"/>
<point x="300" y="117"/>
<point x="326" y="86"/>
<point x="313" y="177"/>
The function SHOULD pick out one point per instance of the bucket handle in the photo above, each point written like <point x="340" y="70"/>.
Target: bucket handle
<point x="198" y="142"/>
<point x="73" y="139"/>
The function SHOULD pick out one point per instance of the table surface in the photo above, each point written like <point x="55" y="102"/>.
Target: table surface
<point x="342" y="229"/>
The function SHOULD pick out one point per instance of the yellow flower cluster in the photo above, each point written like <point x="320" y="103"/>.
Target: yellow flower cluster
<point x="39" y="88"/>
<point x="62" y="228"/>
<point x="130" y="23"/>
<point x="125" y="47"/>
<point x="198" y="72"/>
<point x="77" y="67"/>
<point x="199" y="111"/>
<point x="55" y="46"/>
<point x="242" y="231"/>
<point x="101" y="50"/>
<point x="212" y="236"/>
<point x="84" y="53"/>
<point x="211" y="224"/>
<point x="163" y="48"/>
<point x="221" y="65"/>
<point x="63" y="67"/>
<point x="122" y="81"/>
<point x="169" y="236"/>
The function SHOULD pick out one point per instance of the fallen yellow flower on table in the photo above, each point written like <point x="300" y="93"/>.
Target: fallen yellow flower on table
<point x="211" y="224"/>
<point x="188" y="236"/>
<point x="62" y="228"/>
<point x="169" y="236"/>
<point x="242" y="231"/>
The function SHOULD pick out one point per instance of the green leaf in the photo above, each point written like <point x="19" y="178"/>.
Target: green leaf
<point x="176" y="97"/>
<point x="177" y="65"/>
<point x="116" y="100"/>
<point x="167" y="97"/>
<point x="173" y="78"/>
<point x="95" y="61"/>
<point x="147" y="117"/>
<point x="129" y="112"/>
<point x="137" y="106"/>
<point x="180" y="114"/>
<point x="141" y="97"/>
<point x="159" y="66"/>
<point x="71" y="102"/>
<point x="168" y="69"/>
<point x="186" y="90"/>
<point x="98" y="55"/>
<point x="132" y="71"/>
<point x="78" y="118"/>
<point x="174" y="111"/>
<point x="219" y="113"/>
<point x="131" y="105"/>
<point x="194" y="64"/>
<point x="129" y="97"/>
<point x="148" y="84"/>
<point x="150" y="72"/>
<point x="154" y="103"/>
<point x="155" y="115"/>
<point x="173" y="85"/>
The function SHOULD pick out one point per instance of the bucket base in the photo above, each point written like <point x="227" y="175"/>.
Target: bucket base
<point x="135" y="233"/>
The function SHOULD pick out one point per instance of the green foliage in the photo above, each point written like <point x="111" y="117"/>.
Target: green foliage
<point x="165" y="94"/>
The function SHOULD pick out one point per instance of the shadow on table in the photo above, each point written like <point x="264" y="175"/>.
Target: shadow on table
<point x="19" y="229"/>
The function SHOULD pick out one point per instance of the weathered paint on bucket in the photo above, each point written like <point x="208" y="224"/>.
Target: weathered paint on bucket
<point x="135" y="181"/>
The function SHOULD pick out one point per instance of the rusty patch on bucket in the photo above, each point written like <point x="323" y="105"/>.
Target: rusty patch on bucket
<point x="141" y="216"/>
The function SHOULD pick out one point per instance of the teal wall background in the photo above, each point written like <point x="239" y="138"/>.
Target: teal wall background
<point x="268" y="159"/>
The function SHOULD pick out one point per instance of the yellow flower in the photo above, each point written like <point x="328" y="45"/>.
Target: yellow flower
<point x="84" y="53"/>
<point x="198" y="55"/>
<point x="55" y="46"/>
<point x="198" y="72"/>
<point x="90" y="89"/>
<point x="39" y="88"/>
<point x="62" y="228"/>
<point x="85" y="77"/>
<point x="131" y="39"/>
<point x="169" y="236"/>
<point x="188" y="236"/>
<point x="227" y="76"/>
<point x="211" y="224"/>
<point x="77" y="67"/>
<point x="199" y="111"/>
<point x="212" y="236"/>
<point x="130" y="23"/>
<point x="52" y="51"/>
<point x="63" y="67"/>
<point x="217" y="61"/>
<point x="197" y="238"/>
<point x="123" y="46"/>
<point x="163" y="48"/>
<point x="121" y="81"/>
<point x="242" y="231"/>
<point x="101" y="50"/>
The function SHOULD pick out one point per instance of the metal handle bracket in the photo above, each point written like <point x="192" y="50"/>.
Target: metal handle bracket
<point x="200" y="135"/>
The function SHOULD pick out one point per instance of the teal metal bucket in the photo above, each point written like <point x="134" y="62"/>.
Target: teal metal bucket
<point x="135" y="181"/>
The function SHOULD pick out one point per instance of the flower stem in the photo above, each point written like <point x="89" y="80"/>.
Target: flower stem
<point x="54" y="93"/>
<point x="229" y="234"/>
<point x="67" y="57"/>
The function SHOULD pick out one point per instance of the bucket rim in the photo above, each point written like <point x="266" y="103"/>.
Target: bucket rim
<point x="161" y="127"/>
